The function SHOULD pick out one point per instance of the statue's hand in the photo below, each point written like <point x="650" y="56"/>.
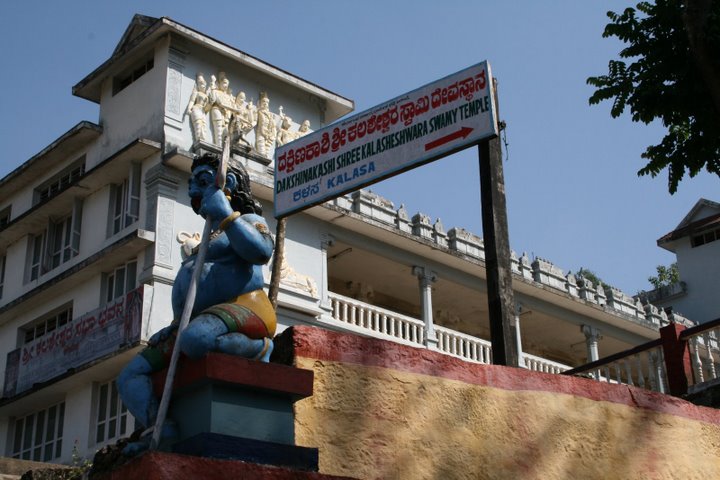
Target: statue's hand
<point x="215" y="204"/>
<point x="161" y="335"/>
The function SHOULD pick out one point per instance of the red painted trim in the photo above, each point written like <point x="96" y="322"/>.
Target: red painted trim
<point x="229" y="369"/>
<point x="171" y="466"/>
<point x="320" y="344"/>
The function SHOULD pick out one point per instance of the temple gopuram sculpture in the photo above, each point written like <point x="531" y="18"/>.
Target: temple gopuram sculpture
<point x="222" y="105"/>
<point x="244" y="120"/>
<point x="265" y="129"/>
<point x="197" y="108"/>
<point x="239" y="116"/>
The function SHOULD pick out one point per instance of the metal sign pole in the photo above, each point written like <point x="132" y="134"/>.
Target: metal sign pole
<point x="497" y="253"/>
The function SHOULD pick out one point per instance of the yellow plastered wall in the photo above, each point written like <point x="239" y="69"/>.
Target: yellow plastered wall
<point x="382" y="423"/>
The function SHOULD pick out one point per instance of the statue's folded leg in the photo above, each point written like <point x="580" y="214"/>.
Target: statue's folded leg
<point x="200" y="336"/>
<point x="236" y="343"/>
<point x="136" y="391"/>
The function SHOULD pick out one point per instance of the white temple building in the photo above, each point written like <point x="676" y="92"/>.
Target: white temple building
<point x="696" y="245"/>
<point x="90" y="232"/>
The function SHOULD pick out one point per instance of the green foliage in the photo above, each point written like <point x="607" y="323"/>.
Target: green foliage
<point x="590" y="275"/>
<point x="669" y="70"/>
<point x="665" y="276"/>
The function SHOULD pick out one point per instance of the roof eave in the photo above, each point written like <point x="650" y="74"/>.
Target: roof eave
<point x="89" y="87"/>
<point x="80" y="134"/>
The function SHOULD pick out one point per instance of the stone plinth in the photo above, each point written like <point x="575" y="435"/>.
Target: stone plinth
<point x="233" y="408"/>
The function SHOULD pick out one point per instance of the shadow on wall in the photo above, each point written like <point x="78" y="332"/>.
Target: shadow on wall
<point x="388" y="411"/>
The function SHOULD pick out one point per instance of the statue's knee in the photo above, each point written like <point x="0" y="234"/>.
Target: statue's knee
<point x="200" y="336"/>
<point x="137" y="366"/>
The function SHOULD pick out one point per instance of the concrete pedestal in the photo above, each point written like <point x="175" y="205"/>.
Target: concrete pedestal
<point x="233" y="408"/>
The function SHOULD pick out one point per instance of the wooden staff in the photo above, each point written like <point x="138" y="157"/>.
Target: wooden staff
<point x="189" y="300"/>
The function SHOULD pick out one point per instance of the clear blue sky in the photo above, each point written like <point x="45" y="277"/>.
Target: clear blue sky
<point x="573" y="194"/>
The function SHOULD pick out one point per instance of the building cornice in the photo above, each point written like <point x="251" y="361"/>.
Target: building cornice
<point x="28" y="172"/>
<point x="90" y="86"/>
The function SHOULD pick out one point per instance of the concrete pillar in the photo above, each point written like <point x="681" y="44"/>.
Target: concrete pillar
<point x="426" y="278"/>
<point x="592" y="335"/>
<point x="326" y="242"/>
<point x="516" y="323"/>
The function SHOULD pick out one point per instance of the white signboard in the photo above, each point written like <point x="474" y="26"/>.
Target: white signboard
<point x="405" y="132"/>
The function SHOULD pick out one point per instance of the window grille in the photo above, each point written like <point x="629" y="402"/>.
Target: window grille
<point x="113" y="420"/>
<point x="706" y="237"/>
<point x="47" y="324"/>
<point x="123" y="81"/>
<point x="39" y="436"/>
<point x="120" y="281"/>
<point x="125" y="201"/>
<point x="60" y="181"/>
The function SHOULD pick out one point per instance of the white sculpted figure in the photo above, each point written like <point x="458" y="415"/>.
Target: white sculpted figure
<point x="244" y="120"/>
<point x="198" y="107"/>
<point x="284" y="135"/>
<point x="265" y="129"/>
<point x="304" y="129"/>
<point x="222" y="105"/>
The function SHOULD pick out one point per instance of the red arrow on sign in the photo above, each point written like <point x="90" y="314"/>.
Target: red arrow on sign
<point x="462" y="133"/>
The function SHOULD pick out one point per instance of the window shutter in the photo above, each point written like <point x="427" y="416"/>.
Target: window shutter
<point x="76" y="226"/>
<point x="133" y="195"/>
<point x="48" y="239"/>
<point x="111" y="211"/>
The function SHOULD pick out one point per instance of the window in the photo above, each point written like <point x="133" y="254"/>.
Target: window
<point x="112" y="419"/>
<point x="47" y="323"/>
<point x="707" y="237"/>
<point x="124" y="80"/>
<point x="38" y="436"/>
<point x="59" y="243"/>
<point x="5" y="216"/>
<point x="120" y="281"/>
<point x="125" y="201"/>
<point x="35" y="249"/>
<point x="60" y="250"/>
<point x="60" y="181"/>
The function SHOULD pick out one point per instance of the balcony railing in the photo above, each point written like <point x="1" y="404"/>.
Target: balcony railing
<point x="377" y="320"/>
<point x="702" y="341"/>
<point x="539" y="364"/>
<point x="642" y="366"/>
<point x="382" y="323"/>
<point x="683" y="360"/>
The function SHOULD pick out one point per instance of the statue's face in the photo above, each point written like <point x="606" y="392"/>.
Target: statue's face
<point x="202" y="178"/>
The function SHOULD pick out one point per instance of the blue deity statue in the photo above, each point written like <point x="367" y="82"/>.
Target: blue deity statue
<point x="231" y="313"/>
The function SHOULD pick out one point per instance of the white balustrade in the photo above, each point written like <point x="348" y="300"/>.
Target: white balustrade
<point x="539" y="364"/>
<point x="705" y="357"/>
<point x="377" y="320"/>
<point x="644" y="369"/>
<point x="464" y="346"/>
<point x="384" y="323"/>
